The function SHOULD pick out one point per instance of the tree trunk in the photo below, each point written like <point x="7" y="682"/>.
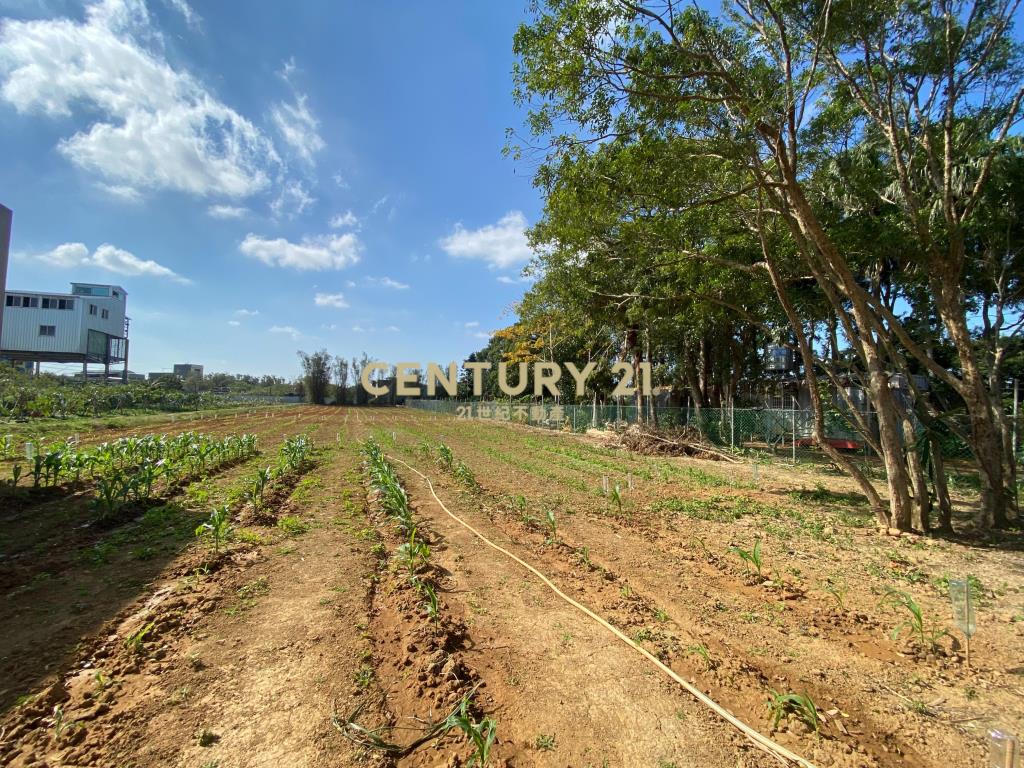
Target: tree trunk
<point x="920" y="519"/>
<point x="941" y="487"/>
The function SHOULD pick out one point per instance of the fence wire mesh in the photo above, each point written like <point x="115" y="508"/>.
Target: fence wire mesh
<point x="783" y="432"/>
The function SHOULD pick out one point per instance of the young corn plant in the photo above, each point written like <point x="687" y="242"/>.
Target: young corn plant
<point x="16" y="472"/>
<point x="481" y="734"/>
<point x="259" y="486"/>
<point x="217" y="529"/>
<point x="445" y="457"/>
<point x="552" y="526"/>
<point x="430" y="604"/>
<point x="414" y="553"/>
<point x="750" y="557"/>
<point x="801" y="706"/>
<point x="616" y="496"/>
<point x="928" y="637"/>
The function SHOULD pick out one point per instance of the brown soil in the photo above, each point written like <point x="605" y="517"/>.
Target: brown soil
<point x="140" y="647"/>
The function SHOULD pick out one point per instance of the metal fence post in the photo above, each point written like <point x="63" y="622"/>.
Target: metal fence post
<point x="794" y="430"/>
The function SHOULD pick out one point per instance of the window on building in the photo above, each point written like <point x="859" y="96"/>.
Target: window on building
<point x="47" y="330"/>
<point x="105" y="314"/>
<point x="92" y="309"/>
<point x="11" y="300"/>
<point x="30" y="301"/>
<point x="66" y="304"/>
<point x="46" y="303"/>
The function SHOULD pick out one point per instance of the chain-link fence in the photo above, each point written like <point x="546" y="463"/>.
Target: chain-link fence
<point x="784" y="432"/>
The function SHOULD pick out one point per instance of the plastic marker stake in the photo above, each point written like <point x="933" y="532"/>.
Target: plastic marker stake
<point x="1003" y="750"/>
<point x="963" y="610"/>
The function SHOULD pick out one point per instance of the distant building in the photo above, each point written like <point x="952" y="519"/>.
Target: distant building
<point x="87" y="325"/>
<point x="184" y="370"/>
<point x="5" y="244"/>
<point x="157" y="375"/>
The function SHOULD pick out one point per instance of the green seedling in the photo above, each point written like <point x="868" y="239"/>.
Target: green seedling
<point x="480" y="734"/>
<point x="914" y="624"/>
<point x="781" y="705"/>
<point x="134" y="641"/>
<point x="545" y="742"/>
<point x="552" y="524"/>
<point x="217" y="529"/>
<point x="430" y="605"/>
<point x="616" y="496"/>
<point x="837" y="588"/>
<point x="414" y="553"/>
<point x="702" y="651"/>
<point x="750" y="557"/>
<point x="445" y="457"/>
<point x="16" y="471"/>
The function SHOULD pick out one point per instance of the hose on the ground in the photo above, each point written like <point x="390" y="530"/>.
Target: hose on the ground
<point x="760" y="740"/>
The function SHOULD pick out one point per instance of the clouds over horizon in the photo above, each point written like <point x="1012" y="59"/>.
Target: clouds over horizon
<point x="108" y="258"/>
<point x="310" y="254"/>
<point x="500" y="245"/>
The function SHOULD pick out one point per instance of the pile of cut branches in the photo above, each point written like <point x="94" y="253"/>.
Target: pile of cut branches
<point x="686" y="441"/>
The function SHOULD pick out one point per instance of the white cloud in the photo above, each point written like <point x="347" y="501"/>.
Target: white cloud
<point x="66" y="255"/>
<point x="298" y="127"/>
<point x="234" y="323"/>
<point x="482" y="335"/>
<point x="108" y="258"/>
<point x="312" y="253"/>
<point x="340" y="181"/>
<point x="151" y="126"/>
<point x="125" y="263"/>
<point x="358" y="329"/>
<point x="292" y="200"/>
<point x="227" y="211"/>
<point x="350" y="284"/>
<point x="393" y="328"/>
<point x="472" y="324"/>
<point x="285" y="329"/>
<point x="343" y="220"/>
<point x="387" y="282"/>
<point x="336" y="300"/>
<point x="247" y="312"/>
<point x="122" y="192"/>
<point x="500" y="245"/>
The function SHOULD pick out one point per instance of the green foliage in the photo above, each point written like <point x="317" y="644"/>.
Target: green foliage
<point x="896" y="599"/>
<point x="217" y="529"/>
<point x="750" y="557"/>
<point x="801" y="706"/>
<point x="52" y="397"/>
<point x="480" y="733"/>
<point x="413" y="553"/>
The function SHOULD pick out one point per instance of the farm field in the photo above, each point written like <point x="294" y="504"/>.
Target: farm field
<point x="329" y="619"/>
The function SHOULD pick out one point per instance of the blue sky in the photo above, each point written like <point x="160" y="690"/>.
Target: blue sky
<point x="294" y="175"/>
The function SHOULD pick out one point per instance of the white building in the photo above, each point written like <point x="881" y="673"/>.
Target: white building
<point x="87" y="325"/>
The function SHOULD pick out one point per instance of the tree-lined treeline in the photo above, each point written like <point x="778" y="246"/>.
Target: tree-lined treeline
<point x="841" y="178"/>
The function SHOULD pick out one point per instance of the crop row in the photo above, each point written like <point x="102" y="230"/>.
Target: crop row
<point x="129" y="469"/>
<point x="414" y="556"/>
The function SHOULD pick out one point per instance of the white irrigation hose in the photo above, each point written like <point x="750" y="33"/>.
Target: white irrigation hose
<point x="759" y="739"/>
